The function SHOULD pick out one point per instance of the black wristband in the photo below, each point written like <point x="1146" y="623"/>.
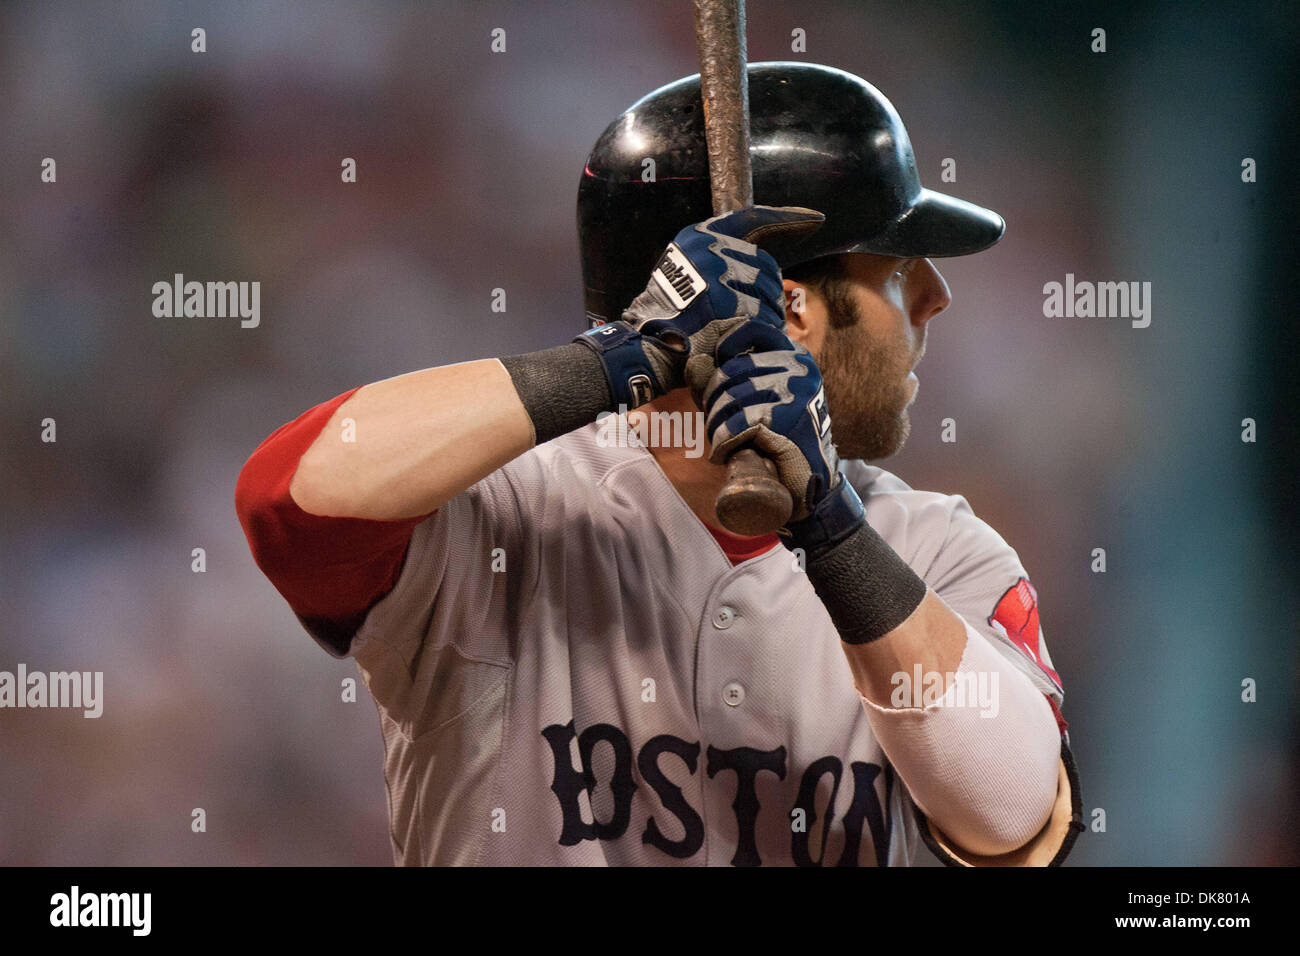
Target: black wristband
<point x="867" y="589"/>
<point x="562" y="388"/>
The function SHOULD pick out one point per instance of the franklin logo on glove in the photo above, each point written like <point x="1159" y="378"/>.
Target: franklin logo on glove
<point x="677" y="278"/>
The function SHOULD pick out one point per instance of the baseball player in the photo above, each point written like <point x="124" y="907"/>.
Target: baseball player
<point x="574" y="663"/>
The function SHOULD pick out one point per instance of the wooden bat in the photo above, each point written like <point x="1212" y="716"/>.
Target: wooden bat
<point x="753" y="501"/>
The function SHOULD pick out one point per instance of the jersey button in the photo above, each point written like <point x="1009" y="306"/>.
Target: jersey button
<point x="723" y="617"/>
<point x="733" y="694"/>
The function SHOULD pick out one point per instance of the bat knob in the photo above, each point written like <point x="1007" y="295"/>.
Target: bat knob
<point x="753" y="501"/>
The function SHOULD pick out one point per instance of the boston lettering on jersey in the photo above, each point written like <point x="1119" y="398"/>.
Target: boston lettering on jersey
<point x="745" y="762"/>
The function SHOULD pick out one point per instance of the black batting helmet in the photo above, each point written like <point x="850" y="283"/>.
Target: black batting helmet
<point x="819" y="137"/>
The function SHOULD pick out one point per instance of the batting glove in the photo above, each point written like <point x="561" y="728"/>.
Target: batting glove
<point x="767" y="394"/>
<point x="711" y="279"/>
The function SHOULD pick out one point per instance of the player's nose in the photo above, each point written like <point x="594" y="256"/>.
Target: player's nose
<point x="930" y="293"/>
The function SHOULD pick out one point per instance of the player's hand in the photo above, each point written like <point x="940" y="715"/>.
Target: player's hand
<point x="711" y="279"/>
<point x="767" y="394"/>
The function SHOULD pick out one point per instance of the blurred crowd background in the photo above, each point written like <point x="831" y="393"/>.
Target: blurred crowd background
<point x="1073" y="434"/>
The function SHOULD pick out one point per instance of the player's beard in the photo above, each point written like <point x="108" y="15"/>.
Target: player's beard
<point x="866" y="389"/>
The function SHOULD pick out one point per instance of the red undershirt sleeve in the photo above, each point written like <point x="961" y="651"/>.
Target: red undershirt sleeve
<point x="330" y="570"/>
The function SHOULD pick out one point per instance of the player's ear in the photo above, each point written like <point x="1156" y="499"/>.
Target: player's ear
<point x="800" y="312"/>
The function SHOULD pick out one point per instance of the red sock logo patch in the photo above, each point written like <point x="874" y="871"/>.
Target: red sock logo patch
<point x="1016" y="615"/>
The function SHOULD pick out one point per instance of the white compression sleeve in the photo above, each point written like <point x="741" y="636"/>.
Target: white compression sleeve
<point x="983" y="770"/>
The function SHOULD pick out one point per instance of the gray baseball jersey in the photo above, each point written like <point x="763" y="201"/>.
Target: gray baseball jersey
<point x="569" y="670"/>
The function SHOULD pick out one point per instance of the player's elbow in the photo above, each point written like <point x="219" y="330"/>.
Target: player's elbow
<point x="1007" y="825"/>
<point x="1003" y="837"/>
<point x="267" y="512"/>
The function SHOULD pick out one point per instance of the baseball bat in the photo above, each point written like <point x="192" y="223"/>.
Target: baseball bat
<point x="753" y="501"/>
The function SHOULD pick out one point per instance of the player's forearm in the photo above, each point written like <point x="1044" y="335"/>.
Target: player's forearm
<point x="931" y="638"/>
<point x="979" y="758"/>
<point x="405" y="446"/>
<point x="988" y="783"/>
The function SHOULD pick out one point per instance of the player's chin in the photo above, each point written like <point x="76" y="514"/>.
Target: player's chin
<point x="892" y="442"/>
<point x="881" y="437"/>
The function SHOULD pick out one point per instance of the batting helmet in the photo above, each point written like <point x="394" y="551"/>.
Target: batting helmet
<point x="819" y="137"/>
